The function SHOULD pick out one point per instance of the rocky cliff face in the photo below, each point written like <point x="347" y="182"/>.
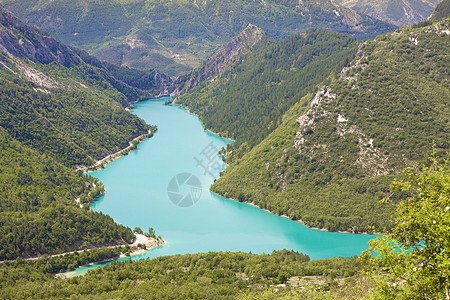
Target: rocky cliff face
<point x="239" y="45"/>
<point x="23" y="41"/>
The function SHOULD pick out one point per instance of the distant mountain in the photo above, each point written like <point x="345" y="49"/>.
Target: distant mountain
<point x="397" y="12"/>
<point x="332" y="157"/>
<point x="441" y="11"/>
<point x="59" y="108"/>
<point x="54" y="71"/>
<point x="175" y="36"/>
<point x="251" y="37"/>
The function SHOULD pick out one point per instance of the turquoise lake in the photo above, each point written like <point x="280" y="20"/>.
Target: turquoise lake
<point x="137" y="195"/>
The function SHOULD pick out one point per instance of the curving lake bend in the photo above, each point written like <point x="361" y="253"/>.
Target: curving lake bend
<point x="138" y="190"/>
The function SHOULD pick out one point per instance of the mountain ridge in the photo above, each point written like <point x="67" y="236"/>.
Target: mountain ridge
<point x="238" y="46"/>
<point x="60" y="108"/>
<point x="397" y="12"/>
<point x="336" y="151"/>
<point x="176" y="36"/>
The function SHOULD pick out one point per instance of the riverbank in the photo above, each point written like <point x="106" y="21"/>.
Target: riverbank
<point x="204" y="128"/>
<point x="141" y="245"/>
<point x="102" y="163"/>
<point x="287" y="217"/>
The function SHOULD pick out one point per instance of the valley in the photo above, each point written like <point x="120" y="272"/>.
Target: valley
<point x="176" y="36"/>
<point x="325" y="119"/>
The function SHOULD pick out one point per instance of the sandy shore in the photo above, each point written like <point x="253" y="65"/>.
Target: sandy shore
<point x="149" y="243"/>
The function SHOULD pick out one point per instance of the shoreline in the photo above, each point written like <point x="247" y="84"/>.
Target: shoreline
<point x="98" y="165"/>
<point x="149" y="242"/>
<point x="102" y="163"/>
<point x="251" y="203"/>
<point x="289" y="218"/>
<point x="204" y="128"/>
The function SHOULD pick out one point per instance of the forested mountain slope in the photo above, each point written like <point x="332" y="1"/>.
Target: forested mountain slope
<point x="63" y="101"/>
<point x="174" y="36"/>
<point x="248" y="98"/>
<point x="251" y="38"/>
<point x="441" y="11"/>
<point x="331" y="161"/>
<point x="38" y="212"/>
<point x="59" y="108"/>
<point x="397" y="12"/>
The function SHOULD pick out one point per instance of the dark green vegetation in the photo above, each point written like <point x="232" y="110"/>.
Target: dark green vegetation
<point x="331" y="160"/>
<point x="398" y="12"/>
<point x="59" y="108"/>
<point x="38" y="212"/>
<point x="441" y="11"/>
<point x="49" y="265"/>
<point x="214" y="275"/>
<point x="174" y="36"/>
<point x="247" y="100"/>
<point x="76" y="126"/>
<point x="422" y="223"/>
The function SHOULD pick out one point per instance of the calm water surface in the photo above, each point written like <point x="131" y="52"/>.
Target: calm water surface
<point x="137" y="195"/>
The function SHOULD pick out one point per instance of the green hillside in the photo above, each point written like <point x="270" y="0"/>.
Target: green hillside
<point x="38" y="212"/>
<point x="247" y="100"/>
<point x="174" y="36"/>
<point x="441" y="11"/>
<point x="397" y="12"/>
<point x="332" y="159"/>
<point x="214" y="275"/>
<point x="59" y="108"/>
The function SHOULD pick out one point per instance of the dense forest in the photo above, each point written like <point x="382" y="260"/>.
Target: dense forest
<point x="60" y="108"/>
<point x="442" y="10"/>
<point x="214" y="275"/>
<point x="174" y="36"/>
<point x="323" y="124"/>
<point x="332" y="159"/>
<point x="38" y="211"/>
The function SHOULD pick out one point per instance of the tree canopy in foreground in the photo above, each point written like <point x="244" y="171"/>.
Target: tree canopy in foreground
<point x="413" y="261"/>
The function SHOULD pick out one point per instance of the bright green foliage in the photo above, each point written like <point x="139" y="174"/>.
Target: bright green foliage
<point x="413" y="262"/>
<point x="247" y="100"/>
<point x="378" y="117"/>
<point x="151" y="33"/>
<point x="214" y="275"/>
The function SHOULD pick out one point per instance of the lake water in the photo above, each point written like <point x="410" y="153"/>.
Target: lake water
<point x="138" y="194"/>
